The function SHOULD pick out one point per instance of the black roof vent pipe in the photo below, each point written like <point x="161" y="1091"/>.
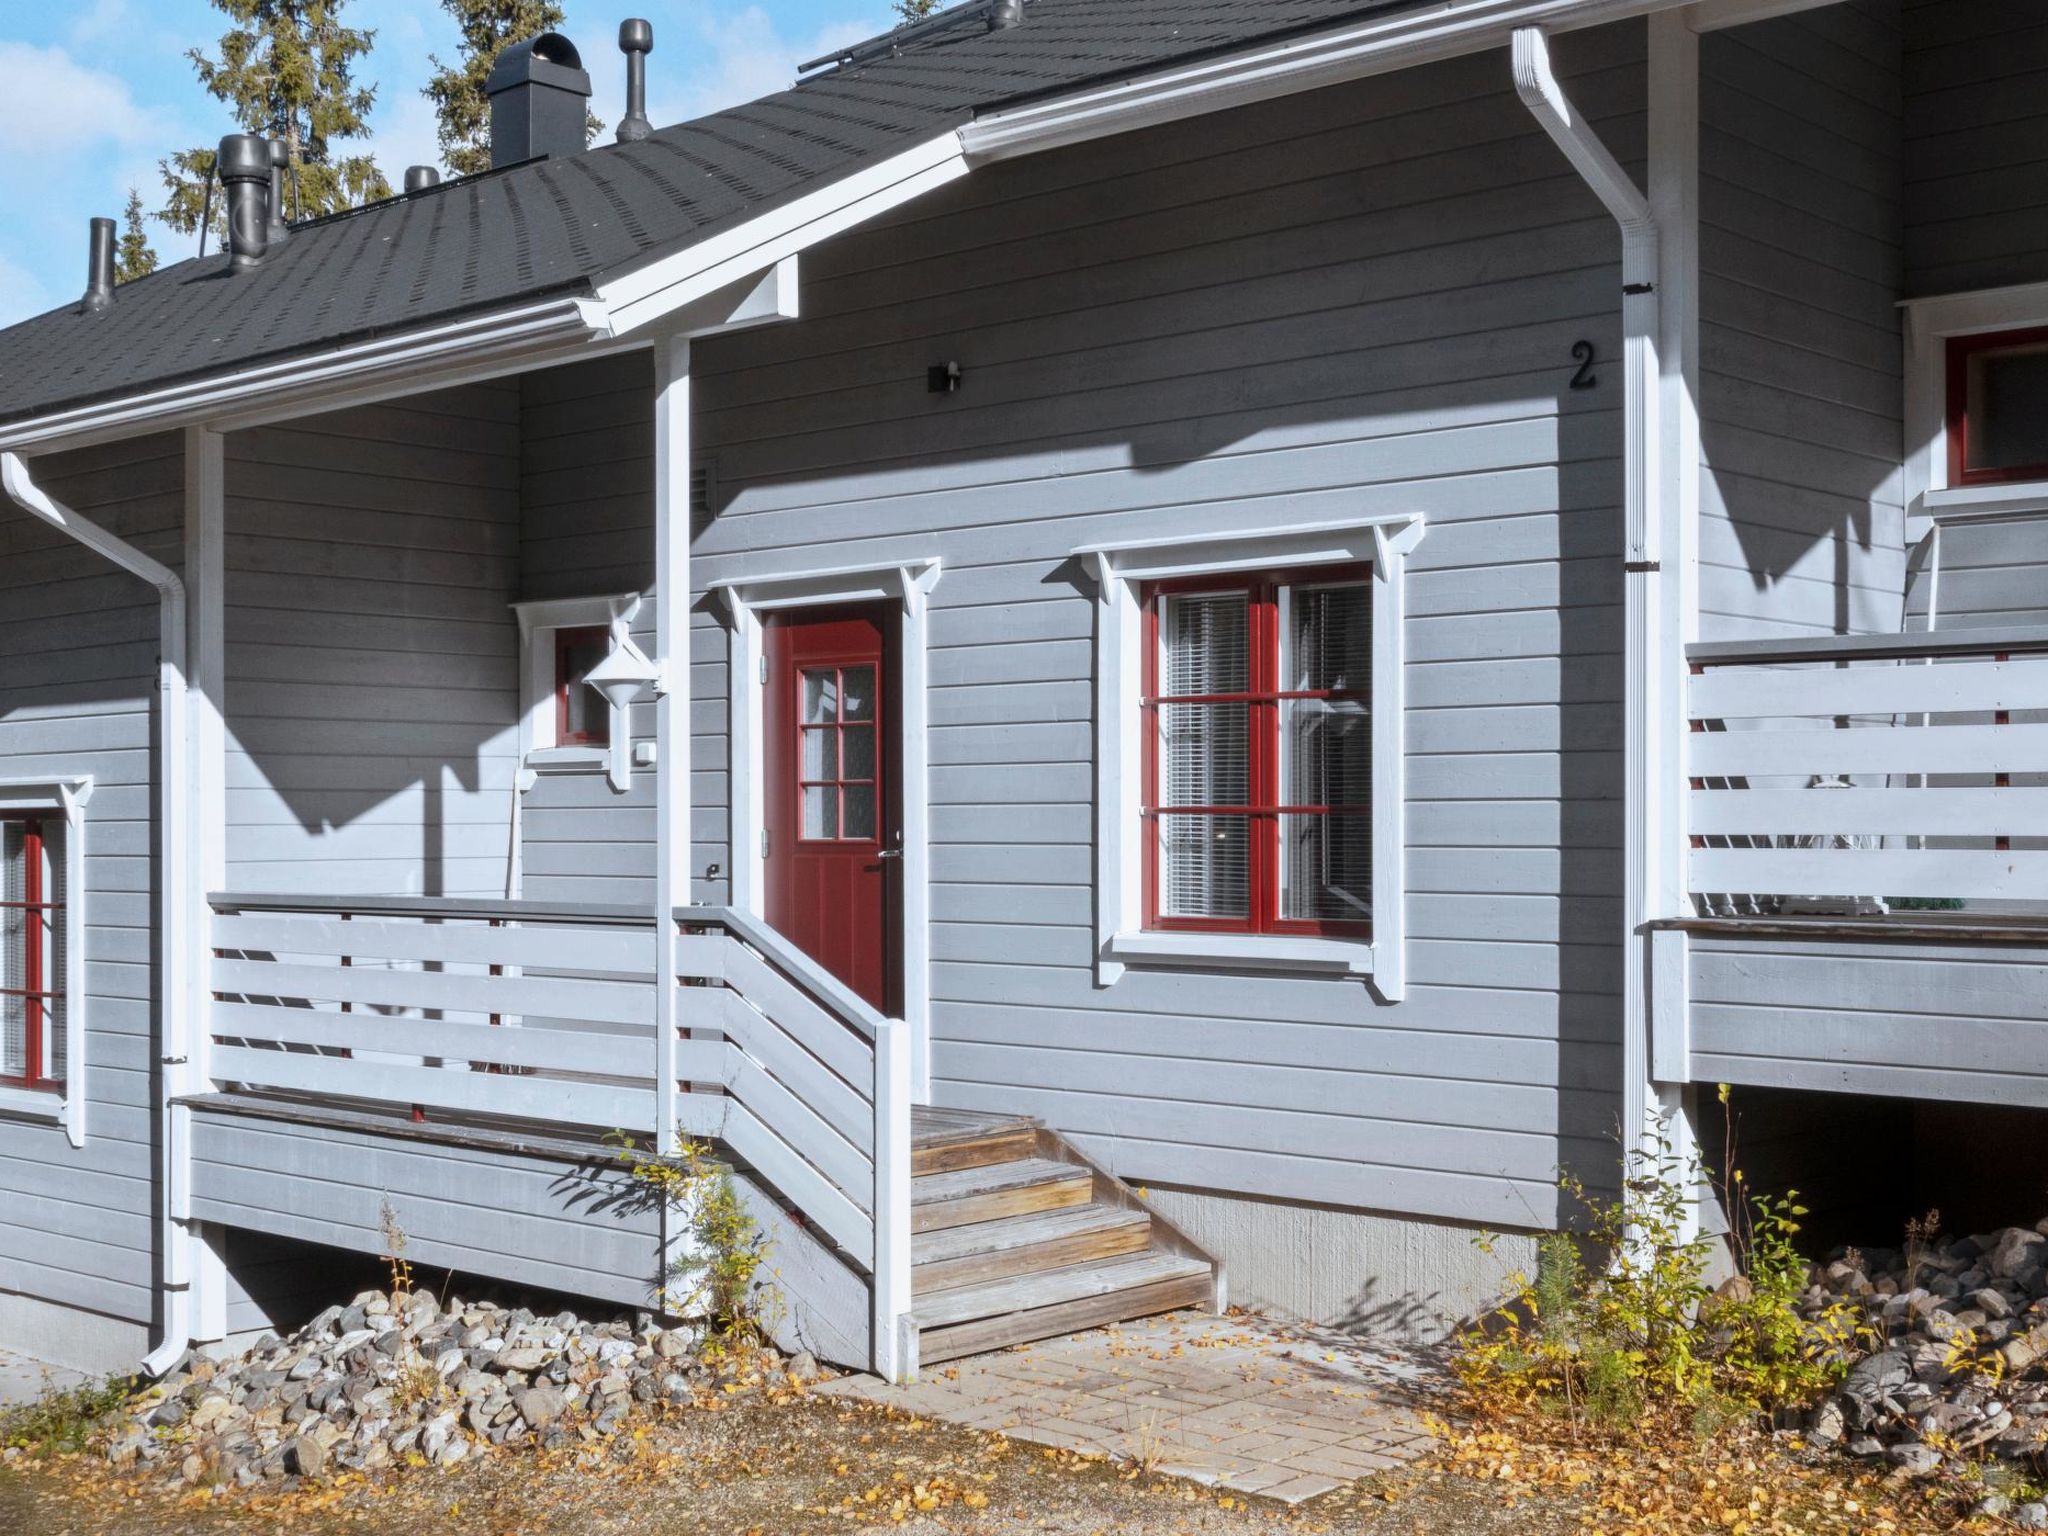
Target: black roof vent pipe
<point x="540" y="101"/>
<point x="275" y="230"/>
<point x="1005" y="14"/>
<point x="420" y="177"/>
<point x="244" y="165"/>
<point x="636" y="41"/>
<point x="99" y="269"/>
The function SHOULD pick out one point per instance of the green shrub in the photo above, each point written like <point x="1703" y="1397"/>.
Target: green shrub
<point x="63" y="1419"/>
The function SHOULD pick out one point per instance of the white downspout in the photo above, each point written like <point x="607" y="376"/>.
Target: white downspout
<point x="174" y="832"/>
<point x="1642" y="458"/>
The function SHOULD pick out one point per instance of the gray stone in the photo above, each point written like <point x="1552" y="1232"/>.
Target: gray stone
<point x="1914" y="1459"/>
<point x="519" y="1359"/>
<point x="2017" y="1249"/>
<point x="2031" y="1517"/>
<point x="306" y="1456"/>
<point x="1828" y="1426"/>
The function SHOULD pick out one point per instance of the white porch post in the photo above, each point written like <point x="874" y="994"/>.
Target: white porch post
<point x="206" y="658"/>
<point x="671" y="707"/>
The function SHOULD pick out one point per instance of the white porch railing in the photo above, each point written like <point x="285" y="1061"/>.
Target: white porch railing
<point x="544" y="1015"/>
<point x="1850" y="774"/>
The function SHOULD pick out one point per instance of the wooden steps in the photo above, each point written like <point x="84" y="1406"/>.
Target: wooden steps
<point x="1017" y="1236"/>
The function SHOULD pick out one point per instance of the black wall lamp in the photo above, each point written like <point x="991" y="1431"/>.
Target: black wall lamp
<point x="942" y="378"/>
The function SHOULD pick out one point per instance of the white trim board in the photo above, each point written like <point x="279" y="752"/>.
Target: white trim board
<point x="65" y="798"/>
<point x="538" y="621"/>
<point x="747" y="601"/>
<point x="1121" y="939"/>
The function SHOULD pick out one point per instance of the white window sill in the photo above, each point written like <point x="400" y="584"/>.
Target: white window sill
<point x="568" y="759"/>
<point x="1240" y="952"/>
<point x="30" y="1103"/>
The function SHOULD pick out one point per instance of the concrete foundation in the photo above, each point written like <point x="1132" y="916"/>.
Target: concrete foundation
<point x="71" y="1337"/>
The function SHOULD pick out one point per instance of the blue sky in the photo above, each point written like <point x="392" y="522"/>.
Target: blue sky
<point x="100" y="90"/>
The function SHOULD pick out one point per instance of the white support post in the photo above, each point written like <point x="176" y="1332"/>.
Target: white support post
<point x="671" y="707"/>
<point x="895" y="1331"/>
<point x="1643" y="548"/>
<point x="206" y="656"/>
<point x="1674" y="200"/>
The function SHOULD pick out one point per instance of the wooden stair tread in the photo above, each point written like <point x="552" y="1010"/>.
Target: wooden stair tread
<point x="957" y="1184"/>
<point x="1055" y="1287"/>
<point x="931" y="1127"/>
<point x="1017" y="1231"/>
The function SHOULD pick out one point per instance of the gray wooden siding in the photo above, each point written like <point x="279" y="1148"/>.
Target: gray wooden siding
<point x="78" y="647"/>
<point x="372" y="657"/>
<point x="1921" y="1021"/>
<point x="1976" y="151"/>
<point x="1802" y="520"/>
<point x="1359" y="300"/>
<point x="531" y="1220"/>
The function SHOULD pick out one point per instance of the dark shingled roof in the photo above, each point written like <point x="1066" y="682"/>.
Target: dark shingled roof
<point x="549" y="227"/>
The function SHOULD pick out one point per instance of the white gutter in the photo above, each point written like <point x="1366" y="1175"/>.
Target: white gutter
<point x="174" y="835"/>
<point x="274" y="391"/>
<point x="1642" y="471"/>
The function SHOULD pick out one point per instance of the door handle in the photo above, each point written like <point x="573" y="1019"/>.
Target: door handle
<point x="890" y="853"/>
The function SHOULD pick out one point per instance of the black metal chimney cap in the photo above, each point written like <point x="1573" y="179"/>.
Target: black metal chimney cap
<point x="243" y="157"/>
<point x="547" y="59"/>
<point x="636" y="35"/>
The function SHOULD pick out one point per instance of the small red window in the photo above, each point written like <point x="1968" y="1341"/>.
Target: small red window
<point x="1998" y="408"/>
<point x="31" y="952"/>
<point x="582" y="717"/>
<point x="838" y="755"/>
<point x="1257" y="731"/>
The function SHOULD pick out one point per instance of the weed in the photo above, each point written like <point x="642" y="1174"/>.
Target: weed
<point x="394" y="1252"/>
<point x="62" y="1419"/>
<point x="719" y="1280"/>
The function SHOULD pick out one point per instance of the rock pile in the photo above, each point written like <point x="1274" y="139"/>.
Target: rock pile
<point x="1954" y="1367"/>
<point x="389" y="1380"/>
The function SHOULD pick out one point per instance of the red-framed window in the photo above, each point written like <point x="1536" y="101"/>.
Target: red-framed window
<point x="31" y="951"/>
<point x="1998" y="407"/>
<point x="1257" y="731"/>
<point x="582" y="717"/>
<point x="839" y="764"/>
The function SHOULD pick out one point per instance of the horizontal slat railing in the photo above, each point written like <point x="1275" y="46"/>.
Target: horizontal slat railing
<point x="1851" y="773"/>
<point x="815" y="1098"/>
<point x="432" y="1005"/>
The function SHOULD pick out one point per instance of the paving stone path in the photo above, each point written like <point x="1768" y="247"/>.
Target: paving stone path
<point x="1240" y="1402"/>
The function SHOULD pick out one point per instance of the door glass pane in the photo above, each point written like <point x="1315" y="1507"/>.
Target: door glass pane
<point x="1204" y="757"/>
<point x="859" y="683"/>
<point x="857" y="809"/>
<point x="821" y="811"/>
<point x="2007" y="407"/>
<point x="1204" y="866"/>
<point x="821" y="694"/>
<point x="817" y="753"/>
<point x="857" y="752"/>
<point x="1326" y="868"/>
<point x="1204" y="643"/>
<point x="53" y="1040"/>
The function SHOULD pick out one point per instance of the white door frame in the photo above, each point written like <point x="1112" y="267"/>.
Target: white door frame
<point x="748" y="600"/>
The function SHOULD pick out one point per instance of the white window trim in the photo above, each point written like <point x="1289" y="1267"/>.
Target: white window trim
<point x="66" y="798"/>
<point x="1121" y="939"/>
<point x="748" y="600"/>
<point x="538" y="622"/>
<point x="1930" y="323"/>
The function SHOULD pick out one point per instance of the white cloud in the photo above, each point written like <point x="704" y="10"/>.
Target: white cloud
<point x="55" y="103"/>
<point x="20" y="294"/>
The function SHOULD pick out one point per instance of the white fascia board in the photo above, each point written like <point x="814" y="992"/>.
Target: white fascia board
<point x="637" y="297"/>
<point x="296" y="387"/>
<point x="1715" y="15"/>
<point x="1372" y="47"/>
<point x="1352" y="541"/>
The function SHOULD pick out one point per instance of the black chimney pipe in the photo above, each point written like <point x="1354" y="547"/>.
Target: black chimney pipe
<point x="1005" y="14"/>
<point x="99" y="269"/>
<point x="275" y="230"/>
<point x="420" y="177"/>
<point x="540" y="101"/>
<point x="636" y="41"/>
<point x="244" y="165"/>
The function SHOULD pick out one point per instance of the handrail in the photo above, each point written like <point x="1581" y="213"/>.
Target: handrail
<point x="2007" y="640"/>
<point x="834" y="993"/>
<point x="480" y="908"/>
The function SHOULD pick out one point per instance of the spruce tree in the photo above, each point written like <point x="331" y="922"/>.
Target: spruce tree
<point x="287" y="71"/>
<point x="487" y="27"/>
<point x="915" y="10"/>
<point x="132" y="256"/>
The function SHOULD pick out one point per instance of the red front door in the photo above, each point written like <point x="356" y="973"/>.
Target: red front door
<point x="833" y="851"/>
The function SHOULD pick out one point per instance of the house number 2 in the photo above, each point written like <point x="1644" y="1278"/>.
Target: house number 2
<point x="1584" y="378"/>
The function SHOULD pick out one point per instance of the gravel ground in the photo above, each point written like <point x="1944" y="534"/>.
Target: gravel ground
<point x="779" y="1469"/>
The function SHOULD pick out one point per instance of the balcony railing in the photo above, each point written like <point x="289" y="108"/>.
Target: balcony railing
<point x="544" y="1017"/>
<point x="1858" y="775"/>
